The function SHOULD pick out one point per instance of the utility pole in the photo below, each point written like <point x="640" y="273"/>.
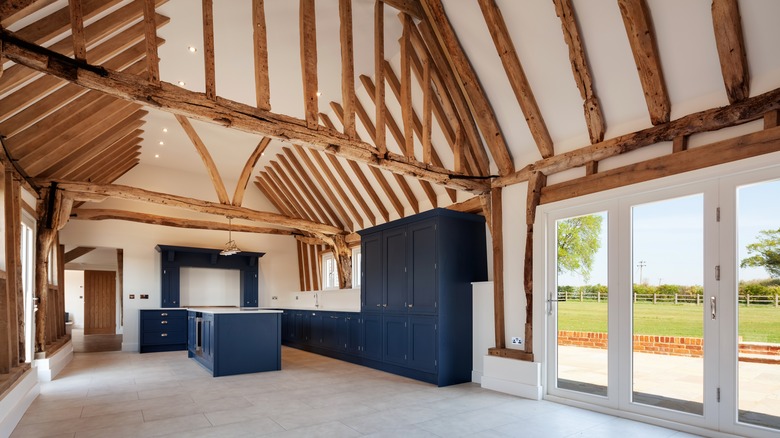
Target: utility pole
<point x="641" y="265"/>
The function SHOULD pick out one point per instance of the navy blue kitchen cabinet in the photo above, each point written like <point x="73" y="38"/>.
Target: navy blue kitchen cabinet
<point x="249" y="288"/>
<point x="163" y="330"/>
<point x="330" y="330"/>
<point x="350" y="334"/>
<point x="170" y="287"/>
<point x="316" y="320"/>
<point x="192" y="331"/>
<point x="420" y="325"/>
<point x="208" y="341"/>
<point x="286" y="336"/>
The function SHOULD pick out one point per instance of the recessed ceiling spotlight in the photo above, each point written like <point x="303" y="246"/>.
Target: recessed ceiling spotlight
<point x="182" y="83"/>
<point x="192" y="49"/>
<point x="162" y="143"/>
<point x="165" y="129"/>
<point x="156" y="155"/>
<point x="319" y="93"/>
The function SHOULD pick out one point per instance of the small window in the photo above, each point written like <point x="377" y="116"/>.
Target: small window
<point x="356" y="261"/>
<point x="330" y="275"/>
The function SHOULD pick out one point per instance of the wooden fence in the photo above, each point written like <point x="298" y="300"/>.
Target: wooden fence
<point x="598" y="296"/>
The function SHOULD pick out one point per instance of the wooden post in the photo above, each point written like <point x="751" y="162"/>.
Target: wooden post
<point x="13" y="206"/>
<point x="343" y="256"/>
<point x="497" y="228"/>
<point x="301" y="270"/>
<point x="120" y="281"/>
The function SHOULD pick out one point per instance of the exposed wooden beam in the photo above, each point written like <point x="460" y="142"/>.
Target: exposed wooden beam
<point x="208" y="49"/>
<point x="411" y="7"/>
<point x="263" y="182"/>
<point x="77" y="252"/>
<point x="447" y="85"/>
<point x="427" y="113"/>
<point x="713" y="119"/>
<point x="310" y="192"/>
<point x="641" y="37"/>
<point x="591" y="167"/>
<point x="406" y="86"/>
<point x="308" y="31"/>
<point x="347" y="67"/>
<point x="315" y="192"/>
<point x="224" y="112"/>
<point x="95" y="214"/>
<point x="471" y="205"/>
<point x="323" y="184"/>
<point x="262" y="83"/>
<point x="301" y="270"/>
<point x="357" y="218"/>
<point x="203" y="151"/>
<point x="535" y="185"/>
<point x="379" y="61"/>
<point x="481" y="108"/>
<point x="246" y="172"/>
<point x="517" y="79"/>
<point x="772" y="119"/>
<point x="77" y="30"/>
<point x="726" y="151"/>
<point x="76" y="190"/>
<point x="727" y="22"/>
<point x="347" y="181"/>
<point x="11" y="7"/>
<point x="497" y="228"/>
<point x="680" y="143"/>
<point x="284" y="195"/>
<point x="150" y="28"/>
<point x="408" y="193"/>
<point x="292" y="192"/>
<point x="580" y="69"/>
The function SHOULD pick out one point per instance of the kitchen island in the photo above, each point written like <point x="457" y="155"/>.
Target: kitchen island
<point x="229" y="341"/>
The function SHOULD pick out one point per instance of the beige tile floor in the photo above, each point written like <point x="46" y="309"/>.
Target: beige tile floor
<point x="165" y="394"/>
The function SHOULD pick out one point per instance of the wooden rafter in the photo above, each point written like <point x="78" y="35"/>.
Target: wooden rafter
<point x="713" y="119"/>
<point x="225" y="112"/>
<point x="86" y="191"/>
<point x="150" y="28"/>
<point x="580" y="69"/>
<point x="379" y="61"/>
<point x="347" y="181"/>
<point x="262" y="83"/>
<point x="91" y="158"/>
<point x="77" y="252"/>
<point x="277" y="187"/>
<point x="246" y="172"/>
<point x="517" y="79"/>
<point x="312" y="188"/>
<point x="347" y="67"/>
<point x="208" y="49"/>
<point x="437" y="19"/>
<point x="427" y="87"/>
<point x="417" y="127"/>
<point x="293" y="193"/>
<point x="115" y="142"/>
<point x="323" y="185"/>
<point x="308" y="31"/>
<point x="95" y="214"/>
<point x="311" y="194"/>
<point x="261" y="185"/>
<point x="204" y="154"/>
<point x="358" y="172"/>
<point x="335" y="184"/>
<point x="411" y="7"/>
<point x="446" y="83"/>
<point x="77" y="30"/>
<point x="641" y="37"/>
<point x="406" y="86"/>
<point x="727" y="22"/>
<point x="11" y="7"/>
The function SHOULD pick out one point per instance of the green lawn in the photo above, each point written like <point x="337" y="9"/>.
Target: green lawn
<point x="757" y="323"/>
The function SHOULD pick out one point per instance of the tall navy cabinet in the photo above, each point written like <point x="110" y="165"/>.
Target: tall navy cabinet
<point x="416" y="294"/>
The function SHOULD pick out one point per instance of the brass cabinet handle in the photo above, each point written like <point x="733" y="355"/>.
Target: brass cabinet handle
<point x="164" y="314"/>
<point x="164" y="335"/>
<point x="163" y="322"/>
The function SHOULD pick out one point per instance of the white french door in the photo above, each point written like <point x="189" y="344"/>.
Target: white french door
<point x="654" y="324"/>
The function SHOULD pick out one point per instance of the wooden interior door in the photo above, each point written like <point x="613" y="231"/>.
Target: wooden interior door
<point x="99" y="302"/>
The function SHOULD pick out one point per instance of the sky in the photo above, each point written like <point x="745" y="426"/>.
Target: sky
<point x="668" y="237"/>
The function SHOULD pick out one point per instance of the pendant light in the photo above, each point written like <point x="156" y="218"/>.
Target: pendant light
<point x="230" y="247"/>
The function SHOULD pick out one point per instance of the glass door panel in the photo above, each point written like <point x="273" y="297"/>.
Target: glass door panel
<point x="668" y="302"/>
<point x="582" y="297"/>
<point x="758" y="314"/>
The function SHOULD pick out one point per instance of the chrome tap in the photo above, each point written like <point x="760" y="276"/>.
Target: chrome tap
<point x="316" y="301"/>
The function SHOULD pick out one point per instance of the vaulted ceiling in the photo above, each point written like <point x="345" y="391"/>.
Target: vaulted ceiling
<point x="282" y="94"/>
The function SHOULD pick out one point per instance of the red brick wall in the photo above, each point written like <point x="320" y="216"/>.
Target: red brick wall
<point x="668" y="345"/>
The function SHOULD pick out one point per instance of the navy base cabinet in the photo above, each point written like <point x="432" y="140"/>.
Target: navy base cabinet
<point x="416" y="302"/>
<point x="163" y="330"/>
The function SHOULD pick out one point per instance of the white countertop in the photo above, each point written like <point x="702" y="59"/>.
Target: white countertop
<point x="317" y="309"/>
<point x="218" y="309"/>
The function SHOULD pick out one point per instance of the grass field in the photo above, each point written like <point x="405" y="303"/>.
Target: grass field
<point x="756" y="324"/>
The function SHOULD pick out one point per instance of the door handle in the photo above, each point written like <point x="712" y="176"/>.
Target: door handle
<point x="713" y="307"/>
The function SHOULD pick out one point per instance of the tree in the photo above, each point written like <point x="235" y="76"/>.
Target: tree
<point x="579" y="239"/>
<point x="765" y="253"/>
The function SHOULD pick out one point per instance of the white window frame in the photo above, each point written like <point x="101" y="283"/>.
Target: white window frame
<point x="330" y="280"/>
<point x="357" y="258"/>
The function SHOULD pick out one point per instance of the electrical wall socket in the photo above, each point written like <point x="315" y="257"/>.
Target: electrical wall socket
<point x="517" y="341"/>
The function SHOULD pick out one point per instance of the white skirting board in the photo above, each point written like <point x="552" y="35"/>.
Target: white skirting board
<point x="51" y="366"/>
<point x="512" y="376"/>
<point x="16" y="401"/>
<point x="131" y="347"/>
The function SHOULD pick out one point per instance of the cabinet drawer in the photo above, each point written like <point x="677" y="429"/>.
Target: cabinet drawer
<point x="163" y="314"/>
<point x="164" y="324"/>
<point x="164" y="337"/>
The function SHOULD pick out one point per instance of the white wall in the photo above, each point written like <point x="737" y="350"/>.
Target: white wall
<point x="278" y="269"/>
<point x="74" y="297"/>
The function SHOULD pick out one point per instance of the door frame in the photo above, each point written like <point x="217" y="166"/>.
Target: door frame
<point x="760" y="168"/>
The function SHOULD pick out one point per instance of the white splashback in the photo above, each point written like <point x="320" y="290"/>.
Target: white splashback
<point x="210" y="287"/>
<point x="341" y="299"/>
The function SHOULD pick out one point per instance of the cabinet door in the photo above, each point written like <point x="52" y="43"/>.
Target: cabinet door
<point x="422" y="343"/>
<point x="372" y="336"/>
<point x="192" y="332"/>
<point x="249" y="289"/>
<point x="396" y="283"/>
<point x="170" y="287"/>
<point x="330" y="330"/>
<point x="299" y="329"/>
<point x="354" y="326"/>
<point x="207" y="335"/>
<point x="396" y="339"/>
<point x="371" y="284"/>
<point x="422" y="267"/>
<point x="315" y="331"/>
<point x="285" y="326"/>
